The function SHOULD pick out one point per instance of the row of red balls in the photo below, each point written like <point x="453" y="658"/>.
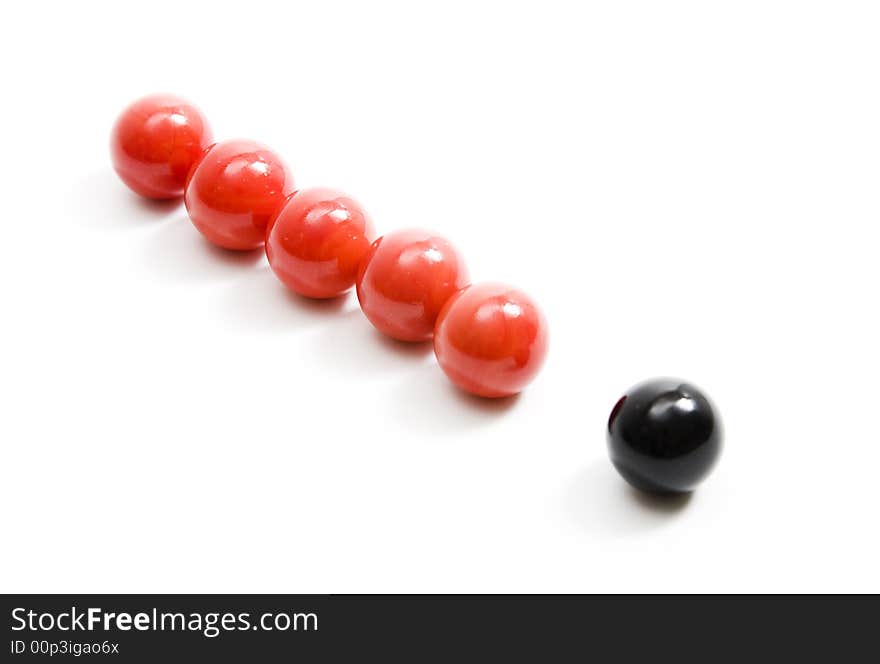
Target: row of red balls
<point x="489" y="339"/>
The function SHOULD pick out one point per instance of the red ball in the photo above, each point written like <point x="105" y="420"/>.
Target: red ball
<point x="491" y="340"/>
<point x="233" y="192"/>
<point x="406" y="279"/>
<point x="317" y="242"/>
<point x="155" y="143"/>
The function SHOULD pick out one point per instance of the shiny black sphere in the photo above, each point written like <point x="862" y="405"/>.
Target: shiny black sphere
<point x="664" y="436"/>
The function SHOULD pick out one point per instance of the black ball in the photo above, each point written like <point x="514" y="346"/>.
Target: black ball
<point x="664" y="436"/>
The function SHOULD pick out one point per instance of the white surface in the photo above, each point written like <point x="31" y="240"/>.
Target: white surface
<point x="687" y="188"/>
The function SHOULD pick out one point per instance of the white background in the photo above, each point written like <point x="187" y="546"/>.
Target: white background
<point x="687" y="188"/>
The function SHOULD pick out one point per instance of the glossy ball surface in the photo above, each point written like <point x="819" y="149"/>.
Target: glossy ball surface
<point x="233" y="192"/>
<point x="491" y="340"/>
<point x="406" y="279"/>
<point x="316" y="243"/>
<point x="155" y="142"/>
<point x="664" y="436"/>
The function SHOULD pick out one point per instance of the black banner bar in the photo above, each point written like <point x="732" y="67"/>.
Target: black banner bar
<point x="414" y="628"/>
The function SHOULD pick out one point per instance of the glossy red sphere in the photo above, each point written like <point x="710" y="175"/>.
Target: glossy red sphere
<point x="233" y="192"/>
<point x="491" y="340"/>
<point x="317" y="242"/>
<point x="155" y="142"/>
<point x="406" y="279"/>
